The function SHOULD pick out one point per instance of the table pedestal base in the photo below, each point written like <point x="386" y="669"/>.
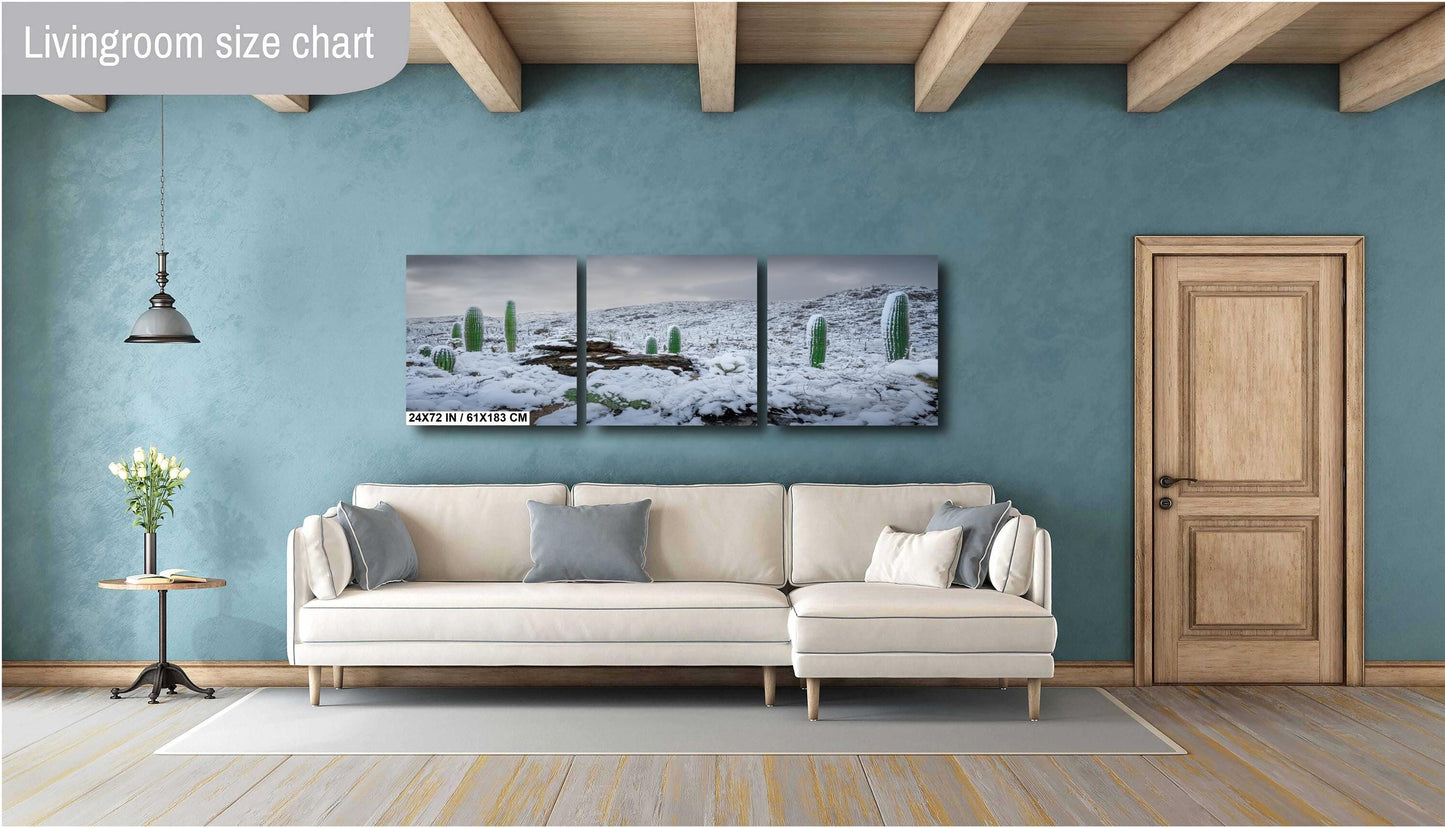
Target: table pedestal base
<point x="163" y="674"/>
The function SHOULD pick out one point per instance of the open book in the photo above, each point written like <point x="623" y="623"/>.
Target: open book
<point x="169" y="576"/>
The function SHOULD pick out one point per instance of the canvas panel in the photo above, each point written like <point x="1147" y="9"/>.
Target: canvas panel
<point x="491" y="336"/>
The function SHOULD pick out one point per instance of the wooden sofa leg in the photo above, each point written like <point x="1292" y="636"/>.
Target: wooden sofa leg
<point x="313" y="673"/>
<point x="337" y="676"/>
<point x="1003" y="684"/>
<point x="814" y="686"/>
<point x="1036" y="689"/>
<point x="770" y="685"/>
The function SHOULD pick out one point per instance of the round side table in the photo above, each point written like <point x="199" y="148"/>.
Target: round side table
<point x="163" y="673"/>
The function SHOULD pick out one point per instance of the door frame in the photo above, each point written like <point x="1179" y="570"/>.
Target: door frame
<point x="1352" y="248"/>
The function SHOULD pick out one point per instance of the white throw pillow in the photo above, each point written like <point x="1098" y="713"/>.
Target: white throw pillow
<point x="921" y="559"/>
<point x="326" y="553"/>
<point x="1011" y="557"/>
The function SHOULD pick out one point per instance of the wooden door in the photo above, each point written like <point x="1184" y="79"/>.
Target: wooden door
<point x="1249" y="566"/>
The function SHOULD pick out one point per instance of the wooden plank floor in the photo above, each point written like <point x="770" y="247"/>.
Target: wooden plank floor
<point x="1256" y="755"/>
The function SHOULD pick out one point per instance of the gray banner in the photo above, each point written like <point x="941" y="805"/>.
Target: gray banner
<point x="200" y="48"/>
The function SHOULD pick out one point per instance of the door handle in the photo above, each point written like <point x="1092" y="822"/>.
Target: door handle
<point x="1166" y="481"/>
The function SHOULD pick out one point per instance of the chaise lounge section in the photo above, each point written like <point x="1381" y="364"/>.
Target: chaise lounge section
<point x="842" y="627"/>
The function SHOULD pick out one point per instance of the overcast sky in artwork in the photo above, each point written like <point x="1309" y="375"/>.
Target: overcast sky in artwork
<point x="615" y="281"/>
<point x="809" y="277"/>
<point x="448" y="285"/>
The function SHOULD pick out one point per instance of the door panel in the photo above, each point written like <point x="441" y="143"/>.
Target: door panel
<point x="1248" y="379"/>
<point x="1251" y="578"/>
<point x="1247" y="353"/>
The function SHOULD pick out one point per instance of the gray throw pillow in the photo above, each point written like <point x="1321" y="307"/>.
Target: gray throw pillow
<point x="979" y="524"/>
<point x="589" y="543"/>
<point x="381" y="548"/>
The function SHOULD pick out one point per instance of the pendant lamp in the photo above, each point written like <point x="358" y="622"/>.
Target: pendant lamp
<point x="162" y="322"/>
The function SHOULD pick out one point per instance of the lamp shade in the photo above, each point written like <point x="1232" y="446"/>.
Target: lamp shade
<point x="162" y="323"/>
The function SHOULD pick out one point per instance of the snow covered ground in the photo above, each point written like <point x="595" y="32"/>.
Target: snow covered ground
<point x="492" y="379"/>
<point x="719" y="337"/>
<point x="857" y="385"/>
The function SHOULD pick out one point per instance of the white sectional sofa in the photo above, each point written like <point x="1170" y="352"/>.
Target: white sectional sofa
<point x="743" y="575"/>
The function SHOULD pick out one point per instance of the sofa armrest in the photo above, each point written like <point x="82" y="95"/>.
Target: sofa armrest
<point x="298" y="592"/>
<point x="1041" y="590"/>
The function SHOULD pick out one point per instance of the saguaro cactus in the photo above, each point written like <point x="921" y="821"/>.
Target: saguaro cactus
<point x="674" y="340"/>
<point x="651" y="347"/>
<point x="509" y="326"/>
<point x="817" y="340"/>
<point x="472" y="330"/>
<point x="456" y="330"/>
<point x="895" y="326"/>
<point x="426" y="350"/>
<point x="445" y="359"/>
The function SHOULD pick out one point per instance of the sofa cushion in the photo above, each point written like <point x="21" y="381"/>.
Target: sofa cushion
<point x="550" y="612"/>
<point x="322" y="545"/>
<point x="589" y="543"/>
<point x="834" y="527"/>
<point x="1011" y="558"/>
<point x="381" y="549"/>
<point x="707" y="533"/>
<point x="889" y="618"/>
<point x="465" y="533"/>
<point x="980" y="525"/>
<point x="917" y="558"/>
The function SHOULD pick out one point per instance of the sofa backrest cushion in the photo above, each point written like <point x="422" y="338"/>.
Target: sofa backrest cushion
<point x="834" y="527"/>
<point x="476" y="532"/>
<point x="730" y="533"/>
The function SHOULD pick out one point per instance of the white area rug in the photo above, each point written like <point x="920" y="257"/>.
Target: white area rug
<point x="687" y="720"/>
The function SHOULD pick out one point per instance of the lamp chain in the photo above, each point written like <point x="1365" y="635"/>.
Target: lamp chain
<point x="163" y="172"/>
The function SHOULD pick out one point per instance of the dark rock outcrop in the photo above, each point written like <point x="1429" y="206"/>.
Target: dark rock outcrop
<point x="602" y="355"/>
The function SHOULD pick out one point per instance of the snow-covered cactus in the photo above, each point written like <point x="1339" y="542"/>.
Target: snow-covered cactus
<point x="445" y="359"/>
<point x="674" y="340"/>
<point x="456" y="330"/>
<point x="651" y="346"/>
<point x="472" y="331"/>
<point x="509" y="325"/>
<point x="817" y="340"/>
<point x="895" y="326"/>
<point x="426" y="350"/>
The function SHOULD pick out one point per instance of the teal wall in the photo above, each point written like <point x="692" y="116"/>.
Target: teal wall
<point x="289" y="233"/>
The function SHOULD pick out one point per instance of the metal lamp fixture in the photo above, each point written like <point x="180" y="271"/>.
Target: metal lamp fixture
<point x="162" y="322"/>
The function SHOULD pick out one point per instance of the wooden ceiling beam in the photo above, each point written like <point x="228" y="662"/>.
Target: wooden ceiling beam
<point x="1401" y="64"/>
<point x="477" y="48"/>
<point x="78" y="103"/>
<point x="962" y="40"/>
<point x="286" y="103"/>
<point x="717" y="53"/>
<point x="1207" y="39"/>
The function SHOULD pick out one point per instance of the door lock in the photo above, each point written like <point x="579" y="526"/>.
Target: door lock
<point x="1166" y="481"/>
<point x="1166" y="503"/>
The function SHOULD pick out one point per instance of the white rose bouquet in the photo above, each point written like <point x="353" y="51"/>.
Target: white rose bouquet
<point x="151" y="480"/>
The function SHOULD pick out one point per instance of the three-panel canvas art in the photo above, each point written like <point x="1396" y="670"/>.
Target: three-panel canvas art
<point x="672" y="341"/>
